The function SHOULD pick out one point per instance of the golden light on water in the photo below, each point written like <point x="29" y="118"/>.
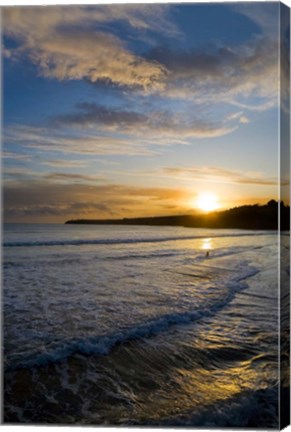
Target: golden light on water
<point x="219" y="386"/>
<point x="207" y="244"/>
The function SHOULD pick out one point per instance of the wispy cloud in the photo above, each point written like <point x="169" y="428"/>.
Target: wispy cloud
<point x="91" y="114"/>
<point x="72" y="177"/>
<point x="16" y="156"/>
<point x="19" y="173"/>
<point x="65" y="163"/>
<point x="48" y="140"/>
<point x="31" y="20"/>
<point x="154" y="124"/>
<point x="222" y="73"/>
<point x="264" y="15"/>
<point x="221" y="175"/>
<point x="150" y="137"/>
<point x="12" y="174"/>
<point x="238" y="116"/>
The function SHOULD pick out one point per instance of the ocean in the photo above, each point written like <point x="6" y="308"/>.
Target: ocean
<point x="136" y="325"/>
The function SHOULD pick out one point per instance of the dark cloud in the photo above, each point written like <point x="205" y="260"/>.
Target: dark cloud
<point x="60" y="201"/>
<point x="89" y="114"/>
<point x="57" y="176"/>
<point x="217" y="73"/>
<point x="193" y="63"/>
<point x="149" y="124"/>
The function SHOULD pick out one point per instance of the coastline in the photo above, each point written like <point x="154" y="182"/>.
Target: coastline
<point x="253" y="217"/>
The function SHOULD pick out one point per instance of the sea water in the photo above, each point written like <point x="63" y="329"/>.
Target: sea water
<point x="136" y="325"/>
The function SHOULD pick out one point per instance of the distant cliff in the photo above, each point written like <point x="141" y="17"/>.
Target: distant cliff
<point x="262" y="217"/>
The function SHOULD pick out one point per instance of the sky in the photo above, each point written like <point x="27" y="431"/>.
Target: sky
<point x="113" y="111"/>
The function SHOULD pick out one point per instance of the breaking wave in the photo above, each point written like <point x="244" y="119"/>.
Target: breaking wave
<point x="118" y="241"/>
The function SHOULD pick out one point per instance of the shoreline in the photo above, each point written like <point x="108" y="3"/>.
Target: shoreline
<point x="252" y="217"/>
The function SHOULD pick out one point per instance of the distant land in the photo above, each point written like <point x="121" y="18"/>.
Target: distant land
<point x="261" y="217"/>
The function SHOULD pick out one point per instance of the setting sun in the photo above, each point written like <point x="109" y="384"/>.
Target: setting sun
<point x="207" y="202"/>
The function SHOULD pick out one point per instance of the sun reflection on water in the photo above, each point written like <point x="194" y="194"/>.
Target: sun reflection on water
<point x="207" y="244"/>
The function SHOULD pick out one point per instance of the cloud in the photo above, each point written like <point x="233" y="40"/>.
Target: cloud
<point x="16" y="156"/>
<point x="72" y="177"/>
<point x="6" y="52"/>
<point x="117" y="133"/>
<point x="36" y="200"/>
<point x="217" y="174"/>
<point x="222" y="73"/>
<point x="155" y="124"/>
<point x="139" y="17"/>
<point x="61" y="41"/>
<point x="244" y="119"/>
<point x="90" y="114"/>
<point x="20" y="173"/>
<point x="264" y="15"/>
<point x="238" y="116"/>
<point x="26" y="174"/>
<point x="48" y="140"/>
<point x="63" y="44"/>
<point x="273" y="20"/>
<point x="35" y="20"/>
<point x="65" y="163"/>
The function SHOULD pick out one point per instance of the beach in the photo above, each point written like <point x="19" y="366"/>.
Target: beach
<point x="123" y="325"/>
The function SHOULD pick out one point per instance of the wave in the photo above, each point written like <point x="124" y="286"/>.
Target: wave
<point x="115" y="241"/>
<point x="253" y="409"/>
<point x="143" y="256"/>
<point x="103" y="344"/>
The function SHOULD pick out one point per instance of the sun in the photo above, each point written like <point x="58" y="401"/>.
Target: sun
<point x="207" y="202"/>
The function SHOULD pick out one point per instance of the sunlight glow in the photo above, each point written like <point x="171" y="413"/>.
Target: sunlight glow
<point x="207" y="244"/>
<point x="207" y="202"/>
